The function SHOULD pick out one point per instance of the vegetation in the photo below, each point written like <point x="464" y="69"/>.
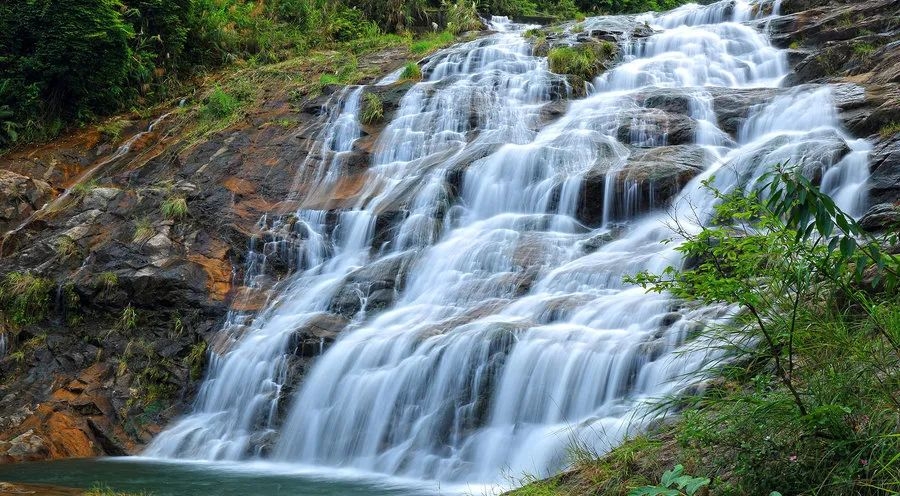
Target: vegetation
<point x="129" y="319"/>
<point x="143" y="230"/>
<point x="103" y="490"/>
<point x="69" y="64"/>
<point x="673" y="483"/>
<point x="66" y="247"/>
<point x="195" y="360"/>
<point x="106" y="280"/>
<point x="174" y="208"/>
<point x="372" y="109"/>
<point x="24" y="299"/>
<point x="82" y="189"/>
<point x="411" y="71"/>
<point x="584" y="61"/>
<point x="809" y="404"/>
<point x="889" y="130"/>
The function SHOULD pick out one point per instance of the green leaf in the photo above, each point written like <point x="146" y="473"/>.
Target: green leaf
<point x="694" y="485"/>
<point x="848" y="246"/>
<point x="669" y="476"/>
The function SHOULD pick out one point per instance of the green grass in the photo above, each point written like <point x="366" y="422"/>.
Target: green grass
<point x="106" y="280"/>
<point x="174" y="208"/>
<point x="82" y="189"/>
<point x="128" y="321"/>
<point x="864" y="49"/>
<point x="584" y="61"/>
<point x="195" y="359"/>
<point x="372" y="111"/>
<point x="113" y="128"/>
<point x="431" y="42"/>
<point x="220" y="105"/>
<point x="24" y="299"/>
<point x="411" y="72"/>
<point x="889" y="130"/>
<point x="143" y="230"/>
<point x="66" y="247"/>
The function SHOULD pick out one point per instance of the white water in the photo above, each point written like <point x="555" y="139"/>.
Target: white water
<point x="512" y="332"/>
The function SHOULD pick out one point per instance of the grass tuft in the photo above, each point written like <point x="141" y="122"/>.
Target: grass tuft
<point x="372" y="109"/>
<point x="411" y="72"/>
<point x="174" y="208"/>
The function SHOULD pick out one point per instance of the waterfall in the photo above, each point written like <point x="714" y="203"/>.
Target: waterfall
<point x="509" y="331"/>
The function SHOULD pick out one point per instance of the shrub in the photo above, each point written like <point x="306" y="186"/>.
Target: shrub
<point x="66" y="247"/>
<point x="174" y="208"/>
<point x="584" y="61"/>
<point x="372" y="109"/>
<point x="461" y="16"/>
<point x="25" y="298"/>
<point x="810" y="406"/>
<point x="219" y="104"/>
<point x="411" y="71"/>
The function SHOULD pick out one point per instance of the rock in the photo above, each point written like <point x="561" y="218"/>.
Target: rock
<point x="24" y="447"/>
<point x="880" y="217"/>
<point x="650" y="128"/>
<point x="372" y="287"/>
<point x="732" y="107"/>
<point x="884" y="183"/>
<point x="652" y="176"/>
<point x="20" y="196"/>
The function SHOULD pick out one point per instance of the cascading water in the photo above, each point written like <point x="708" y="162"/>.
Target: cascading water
<point x="512" y="331"/>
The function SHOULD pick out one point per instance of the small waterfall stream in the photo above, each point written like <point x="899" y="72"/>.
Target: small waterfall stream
<point x="512" y="332"/>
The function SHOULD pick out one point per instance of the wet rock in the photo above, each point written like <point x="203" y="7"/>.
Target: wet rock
<point x="650" y="128"/>
<point x="733" y="107"/>
<point x="880" y="217"/>
<point x="648" y="180"/>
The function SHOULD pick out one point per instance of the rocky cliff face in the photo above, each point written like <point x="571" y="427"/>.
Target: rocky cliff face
<point x="131" y="273"/>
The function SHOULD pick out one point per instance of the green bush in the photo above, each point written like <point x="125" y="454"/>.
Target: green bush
<point x="584" y="61"/>
<point x="24" y="298"/>
<point x="810" y="405"/>
<point x="411" y="71"/>
<point x="460" y="16"/>
<point x="220" y="104"/>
